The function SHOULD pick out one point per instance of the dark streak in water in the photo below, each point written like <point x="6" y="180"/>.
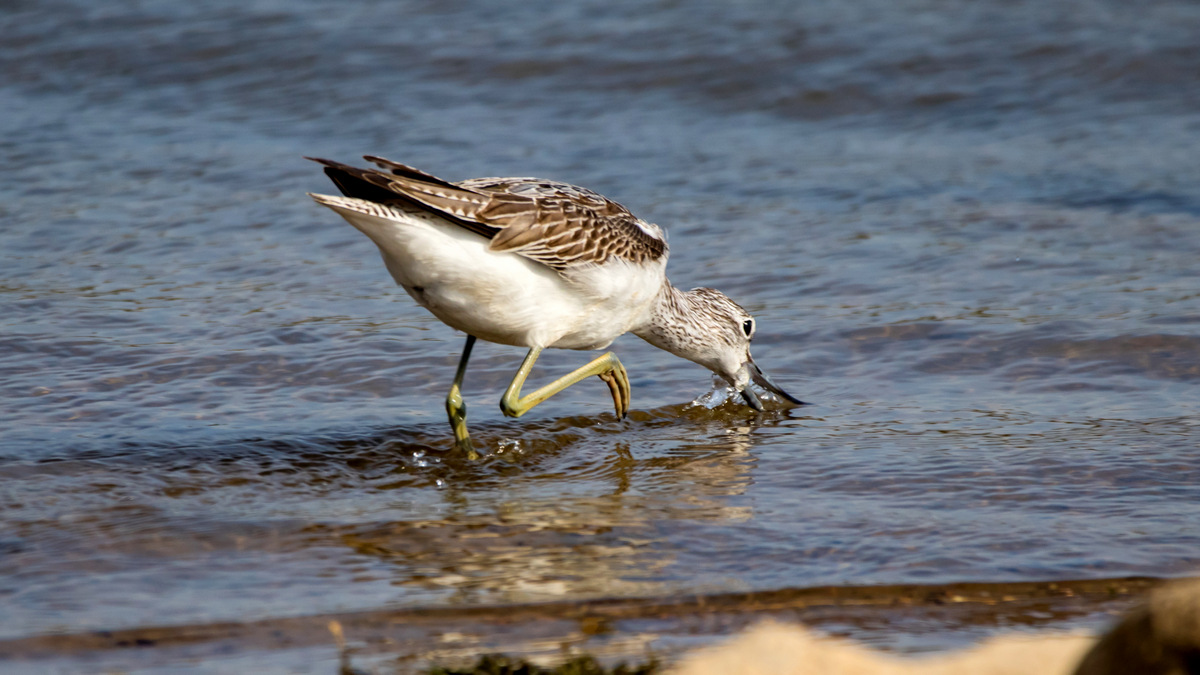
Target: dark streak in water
<point x="877" y="613"/>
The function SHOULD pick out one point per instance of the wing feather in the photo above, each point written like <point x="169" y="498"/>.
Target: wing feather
<point x="556" y="224"/>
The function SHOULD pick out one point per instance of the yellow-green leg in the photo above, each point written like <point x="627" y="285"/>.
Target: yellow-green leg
<point x="608" y="367"/>
<point x="457" y="409"/>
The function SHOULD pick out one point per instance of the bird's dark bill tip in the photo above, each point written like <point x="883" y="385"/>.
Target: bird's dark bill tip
<point x="760" y="378"/>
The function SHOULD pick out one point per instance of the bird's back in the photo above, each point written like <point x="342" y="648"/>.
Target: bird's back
<point x="557" y="224"/>
<point x="517" y="261"/>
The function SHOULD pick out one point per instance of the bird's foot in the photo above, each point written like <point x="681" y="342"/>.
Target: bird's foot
<point x="465" y="446"/>
<point x="456" y="409"/>
<point x="618" y="383"/>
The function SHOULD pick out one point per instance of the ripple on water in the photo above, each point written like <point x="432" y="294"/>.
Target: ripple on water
<point x="969" y="235"/>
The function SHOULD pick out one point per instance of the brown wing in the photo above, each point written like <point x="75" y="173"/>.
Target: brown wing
<point x="556" y="224"/>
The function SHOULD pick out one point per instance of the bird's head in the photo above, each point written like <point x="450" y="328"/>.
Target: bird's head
<point x="720" y="341"/>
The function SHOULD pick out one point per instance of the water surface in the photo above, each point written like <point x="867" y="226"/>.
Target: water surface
<point x="969" y="232"/>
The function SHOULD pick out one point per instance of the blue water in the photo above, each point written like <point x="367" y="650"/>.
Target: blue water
<point x="969" y="232"/>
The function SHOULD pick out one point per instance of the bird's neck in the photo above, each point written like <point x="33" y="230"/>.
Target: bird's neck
<point x="667" y="320"/>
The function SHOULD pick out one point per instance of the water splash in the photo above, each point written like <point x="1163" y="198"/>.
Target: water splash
<point x="722" y="392"/>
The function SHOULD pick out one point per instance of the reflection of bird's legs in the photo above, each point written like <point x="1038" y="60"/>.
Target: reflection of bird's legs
<point x="624" y="468"/>
<point x="456" y="409"/>
<point x="608" y="367"/>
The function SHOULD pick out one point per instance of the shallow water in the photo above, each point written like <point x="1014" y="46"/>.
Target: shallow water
<point x="969" y="232"/>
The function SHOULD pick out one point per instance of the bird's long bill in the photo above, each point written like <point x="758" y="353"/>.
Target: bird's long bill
<point x="760" y="378"/>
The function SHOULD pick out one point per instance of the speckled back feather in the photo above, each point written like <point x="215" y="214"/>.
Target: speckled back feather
<point x="556" y="224"/>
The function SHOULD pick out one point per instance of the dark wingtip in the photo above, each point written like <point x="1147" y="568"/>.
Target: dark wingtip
<point x="409" y="172"/>
<point x="355" y="182"/>
<point x="325" y="162"/>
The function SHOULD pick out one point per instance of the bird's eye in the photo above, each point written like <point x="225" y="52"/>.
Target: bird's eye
<point x="748" y="327"/>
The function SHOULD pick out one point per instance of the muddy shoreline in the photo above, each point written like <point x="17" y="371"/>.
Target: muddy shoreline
<point x="615" y="628"/>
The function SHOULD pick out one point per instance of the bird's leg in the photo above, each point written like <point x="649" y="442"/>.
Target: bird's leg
<point x="608" y="367"/>
<point x="456" y="409"/>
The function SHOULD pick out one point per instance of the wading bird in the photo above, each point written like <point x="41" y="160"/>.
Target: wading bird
<point x="535" y="263"/>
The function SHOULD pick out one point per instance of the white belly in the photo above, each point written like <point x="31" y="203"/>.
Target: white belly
<point x="498" y="296"/>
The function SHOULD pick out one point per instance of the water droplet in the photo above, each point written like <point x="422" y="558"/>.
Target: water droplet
<point x="509" y="445"/>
